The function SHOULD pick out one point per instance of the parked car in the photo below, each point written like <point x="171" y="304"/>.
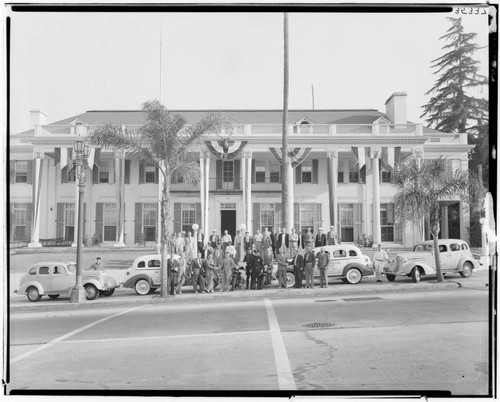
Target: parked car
<point x="456" y="257"/>
<point x="144" y="276"/>
<point x="55" y="278"/>
<point x="347" y="263"/>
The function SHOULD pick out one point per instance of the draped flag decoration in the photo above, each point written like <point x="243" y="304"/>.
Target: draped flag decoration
<point x="360" y="155"/>
<point x="390" y="157"/>
<point x="225" y="149"/>
<point x="298" y="155"/>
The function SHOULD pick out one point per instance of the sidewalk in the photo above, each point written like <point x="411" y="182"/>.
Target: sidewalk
<point x="127" y="297"/>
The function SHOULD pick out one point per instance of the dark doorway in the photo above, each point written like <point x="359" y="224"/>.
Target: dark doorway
<point x="454" y="221"/>
<point x="228" y="222"/>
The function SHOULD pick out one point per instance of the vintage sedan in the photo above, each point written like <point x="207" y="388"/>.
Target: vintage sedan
<point x="347" y="263"/>
<point x="144" y="276"/>
<point x="54" y="278"/>
<point x="456" y="257"/>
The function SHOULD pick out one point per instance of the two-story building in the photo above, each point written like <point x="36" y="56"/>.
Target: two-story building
<point x="343" y="163"/>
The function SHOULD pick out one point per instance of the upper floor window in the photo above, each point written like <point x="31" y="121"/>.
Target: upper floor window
<point x="274" y="172"/>
<point x="307" y="171"/>
<point x="227" y="172"/>
<point x="353" y="172"/>
<point x="260" y="171"/>
<point x="104" y="174"/>
<point x="150" y="173"/>
<point x="21" y="171"/>
<point x="386" y="176"/>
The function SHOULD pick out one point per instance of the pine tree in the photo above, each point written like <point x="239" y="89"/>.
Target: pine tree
<point x="452" y="108"/>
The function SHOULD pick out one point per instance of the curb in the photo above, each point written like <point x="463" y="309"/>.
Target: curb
<point x="240" y="295"/>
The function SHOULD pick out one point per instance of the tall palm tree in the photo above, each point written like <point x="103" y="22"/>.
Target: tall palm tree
<point x="421" y="185"/>
<point x="168" y="142"/>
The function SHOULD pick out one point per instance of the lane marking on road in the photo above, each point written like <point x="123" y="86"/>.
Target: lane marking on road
<point x="76" y="331"/>
<point x="283" y="368"/>
<point x="160" y="337"/>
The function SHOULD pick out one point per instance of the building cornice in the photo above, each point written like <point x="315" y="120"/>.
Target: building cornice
<point x="449" y="148"/>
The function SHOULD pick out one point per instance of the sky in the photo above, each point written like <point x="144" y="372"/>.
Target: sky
<point x="68" y="63"/>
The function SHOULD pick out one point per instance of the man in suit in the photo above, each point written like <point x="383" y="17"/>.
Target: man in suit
<point x="218" y="255"/>
<point x="196" y="267"/>
<point x="214" y="239"/>
<point x="323" y="260"/>
<point x="309" y="263"/>
<point x="248" y="261"/>
<point x="298" y="268"/>
<point x="274" y="240"/>
<point x="257" y="267"/>
<point x="200" y="240"/>
<point x="248" y="242"/>
<point x="283" y="242"/>
<point x="320" y="239"/>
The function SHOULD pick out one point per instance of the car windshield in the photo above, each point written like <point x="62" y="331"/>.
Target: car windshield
<point x="423" y="247"/>
<point x="71" y="267"/>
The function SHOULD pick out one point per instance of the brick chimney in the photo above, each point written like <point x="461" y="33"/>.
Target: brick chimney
<point x="395" y="108"/>
<point x="38" y="117"/>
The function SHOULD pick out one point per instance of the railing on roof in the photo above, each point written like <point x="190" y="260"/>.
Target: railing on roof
<point x="262" y="129"/>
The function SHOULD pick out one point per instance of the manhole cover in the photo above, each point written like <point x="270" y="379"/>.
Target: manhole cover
<point x="325" y="301"/>
<point x="362" y="298"/>
<point x="319" y="325"/>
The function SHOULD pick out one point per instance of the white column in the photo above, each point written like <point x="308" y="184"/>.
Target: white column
<point x="418" y="153"/>
<point x="375" y="153"/>
<point x="204" y="191"/>
<point x="247" y="155"/>
<point x="288" y="171"/>
<point x="333" y="155"/>
<point x="120" y="197"/>
<point x="36" y="198"/>
<point x="444" y="220"/>
<point x="160" y="192"/>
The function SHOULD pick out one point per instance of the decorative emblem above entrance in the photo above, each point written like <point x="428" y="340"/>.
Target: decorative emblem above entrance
<point x="228" y="205"/>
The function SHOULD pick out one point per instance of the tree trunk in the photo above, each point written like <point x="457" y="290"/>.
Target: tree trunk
<point x="164" y="241"/>
<point x="287" y="202"/>
<point x="437" y="257"/>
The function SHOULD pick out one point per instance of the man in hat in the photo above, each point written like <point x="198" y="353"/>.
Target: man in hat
<point x="379" y="259"/>
<point x="214" y="239"/>
<point x="331" y="236"/>
<point x="257" y="267"/>
<point x="320" y="239"/>
<point x="248" y="242"/>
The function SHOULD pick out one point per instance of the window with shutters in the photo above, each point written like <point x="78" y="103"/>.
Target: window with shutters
<point x="340" y="177"/>
<point x="149" y="221"/>
<point x="386" y="176"/>
<point x="274" y="172"/>
<point x="260" y="171"/>
<point x="69" y="222"/>
<point x="266" y="216"/>
<point x="353" y="172"/>
<point x="109" y="221"/>
<point x="387" y="222"/>
<point x="307" y="172"/>
<point x="20" y="215"/>
<point x="21" y="169"/>
<point x="104" y="172"/>
<point x="150" y="173"/>
<point x="188" y="217"/>
<point x="228" y="174"/>
<point x="72" y="174"/>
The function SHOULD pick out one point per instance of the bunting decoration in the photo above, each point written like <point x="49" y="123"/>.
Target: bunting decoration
<point x="225" y="149"/>
<point x="298" y="155"/>
<point x="359" y="152"/>
<point x="63" y="156"/>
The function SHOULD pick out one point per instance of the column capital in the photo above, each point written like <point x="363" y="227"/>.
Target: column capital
<point x="204" y="154"/>
<point x="38" y="154"/>
<point x="332" y="153"/>
<point x="375" y="152"/>
<point x="418" y="152"/>
<point x="247" y="153"/>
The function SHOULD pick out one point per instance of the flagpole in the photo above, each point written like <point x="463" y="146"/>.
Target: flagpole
<point x="161" y="54"/>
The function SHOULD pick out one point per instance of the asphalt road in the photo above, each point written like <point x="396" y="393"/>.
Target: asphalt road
<point x="404" y="341"/>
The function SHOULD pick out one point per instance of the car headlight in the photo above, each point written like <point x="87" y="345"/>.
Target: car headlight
<point x="403" y="260"/>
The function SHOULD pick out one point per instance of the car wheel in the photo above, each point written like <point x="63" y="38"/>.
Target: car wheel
<point x="107" y="292"/>
<point x="152" y="290"/>
<point x="415" y="275"/>
<point x="53" y="296"/>
<point x="353" y="276"/>
<point x="290" y="279"/>
<point x="390" y="278"/>
<point x="91" y="292"/>
<point x="142" y="287"/>
<point x="466" y="270"/>
<point x="33" y="294"/>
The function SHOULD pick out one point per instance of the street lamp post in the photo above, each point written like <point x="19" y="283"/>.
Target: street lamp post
<point x="82" y="152"/>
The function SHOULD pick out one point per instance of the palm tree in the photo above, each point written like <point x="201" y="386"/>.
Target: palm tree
<point x="287" y="201"/>
<point x="166" y="141"/>
<point x="420" y="185"/>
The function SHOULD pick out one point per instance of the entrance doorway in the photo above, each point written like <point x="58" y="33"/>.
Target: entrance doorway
<point x="228" y="222"/>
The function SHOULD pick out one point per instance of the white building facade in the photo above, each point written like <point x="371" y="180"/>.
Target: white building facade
<point x="342" y="175"/>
